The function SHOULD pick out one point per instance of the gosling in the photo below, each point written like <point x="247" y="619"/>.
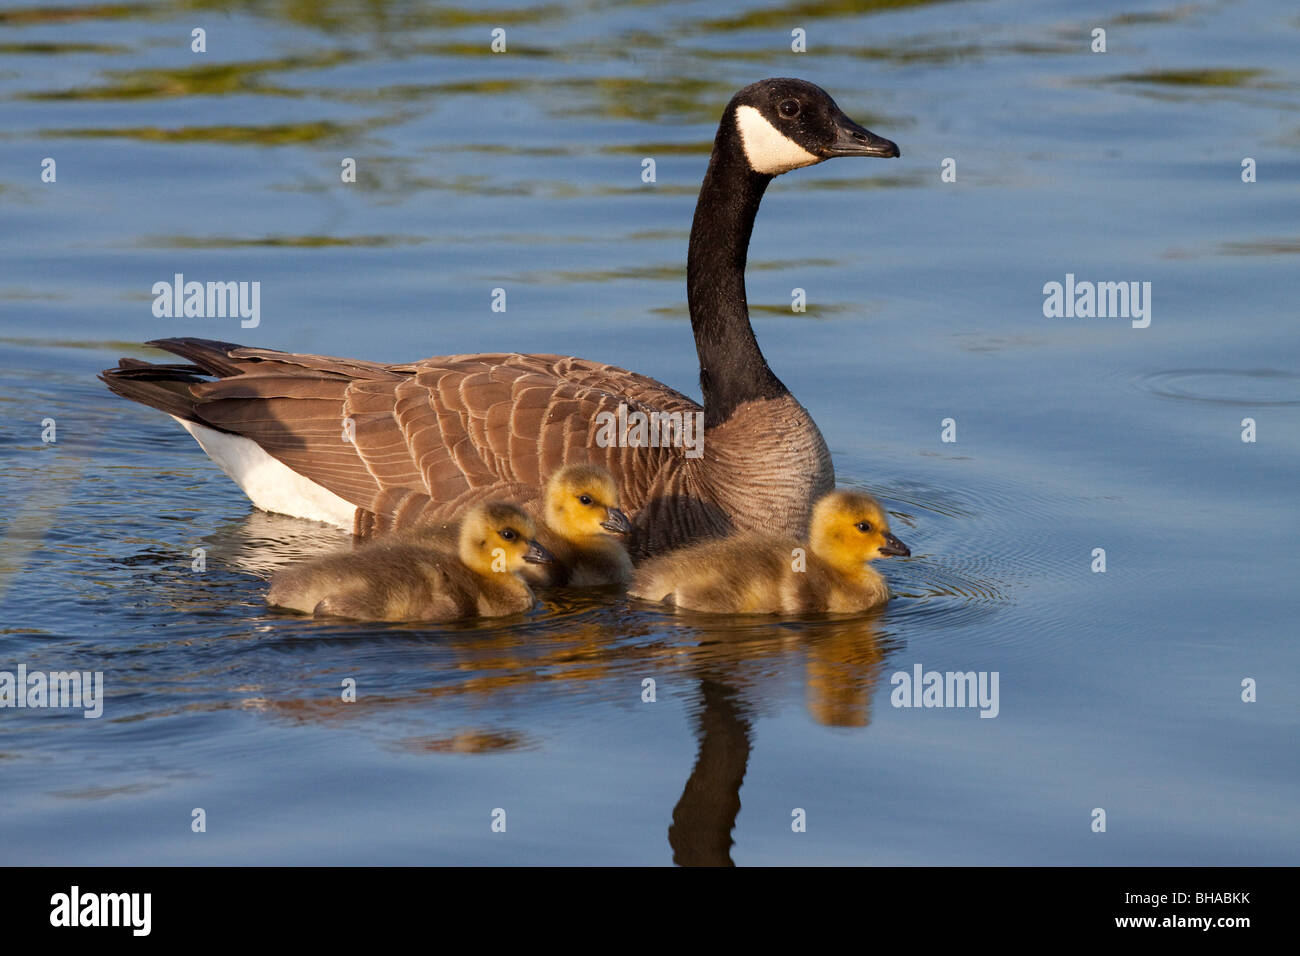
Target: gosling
<point x="762" y="574"/>
<point x="410" y="581"/>
<point x="581" y="526"/>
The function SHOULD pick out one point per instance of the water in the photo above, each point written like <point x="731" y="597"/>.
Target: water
<point x="522" y="171"/>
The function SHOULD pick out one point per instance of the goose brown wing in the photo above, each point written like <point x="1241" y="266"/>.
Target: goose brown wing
<point x="442" y="430"/>
<point x="481" y="421"/>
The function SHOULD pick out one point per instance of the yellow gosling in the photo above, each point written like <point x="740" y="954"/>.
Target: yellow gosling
<point x="584" y="529"/>
<point x="581" y="526"/>
<point x="412" y="581"/>
<point x="762" y="574"/>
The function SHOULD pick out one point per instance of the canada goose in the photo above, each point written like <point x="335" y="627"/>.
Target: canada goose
<point x="411" y="582"/>
<point x="767" y="574"/>
<point x="581" y="526"/>
<point x="378" y="447"/>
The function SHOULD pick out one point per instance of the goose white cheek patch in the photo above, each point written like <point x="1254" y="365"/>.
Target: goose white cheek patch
<point x="767" y="149"/>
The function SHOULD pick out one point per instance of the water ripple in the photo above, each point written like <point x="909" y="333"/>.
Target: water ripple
<point x="1224" y="386"/>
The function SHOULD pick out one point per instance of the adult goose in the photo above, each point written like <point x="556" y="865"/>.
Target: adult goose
<point x="380" y="447"/>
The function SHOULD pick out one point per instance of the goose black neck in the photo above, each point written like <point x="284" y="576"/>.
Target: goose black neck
<point x="732" y="368"/>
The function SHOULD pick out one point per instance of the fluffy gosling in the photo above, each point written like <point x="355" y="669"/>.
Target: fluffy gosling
<point x="581" y="526"/>
<point x="411" y="581"/>
<point x="761" y="574"/>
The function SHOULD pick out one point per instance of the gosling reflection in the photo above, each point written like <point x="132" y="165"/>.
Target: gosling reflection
<point x="738" y="670"/>
<point x="842" y="662"/>
<point x="467" y="741"/>
<point x="479" y="676"/>
<point x="841" y="668"/>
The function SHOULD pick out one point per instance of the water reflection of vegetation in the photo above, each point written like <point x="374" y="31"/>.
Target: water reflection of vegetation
<point x="288" y="242"/>
<point x="1235" y="78"/>
<point x="327" y="15"/>
<point x="275" y="134"/>
<point x="45" y="49"/>
<point x="808" y="10"/>
<point x="1273" y="246"/>
<point x="26" y="16"/>
<point x="667" y="271"/>
<point x="204" y="80"/>
<point x="332" y="16"/>
<point x="1261" y="247"/>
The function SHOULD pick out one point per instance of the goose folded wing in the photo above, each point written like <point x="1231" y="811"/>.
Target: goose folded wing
<point x="444" y="430"/>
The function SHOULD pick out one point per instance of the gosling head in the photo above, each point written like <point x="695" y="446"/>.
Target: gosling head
<point x="499" y="538"/>
<point x="784" y="124"/>
<point x="849" y="528"/>
<point x="582" y="501"/>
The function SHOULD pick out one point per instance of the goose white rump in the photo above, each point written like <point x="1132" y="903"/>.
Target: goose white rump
<point x="269" y="484"/>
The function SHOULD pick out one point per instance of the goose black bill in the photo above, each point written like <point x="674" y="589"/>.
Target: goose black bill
<point x="854" y="140"/>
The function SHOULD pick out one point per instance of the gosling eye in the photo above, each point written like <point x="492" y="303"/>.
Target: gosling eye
<point x="789" y="108"/>
<point x="508" y="534"/>
<point x="863" y="526"/>
<point x="584" y="499"/>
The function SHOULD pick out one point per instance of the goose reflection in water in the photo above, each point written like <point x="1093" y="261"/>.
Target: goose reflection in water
<point x="586" y="640"/>
<point x="731" y="668"/>
<point x="842" y="661"/>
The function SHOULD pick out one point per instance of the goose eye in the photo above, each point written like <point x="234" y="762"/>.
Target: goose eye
<point x="585" y="499"/>
<point x="863" y="526"/>
<point x="508" y="534"/>
<point x="789" y="108"/>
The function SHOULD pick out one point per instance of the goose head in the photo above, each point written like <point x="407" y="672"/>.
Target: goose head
<point x="582" y="502"/>
<point x="849" y="528"/>
<point x="784" y="124"/>
<point x="496" y="537"/>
